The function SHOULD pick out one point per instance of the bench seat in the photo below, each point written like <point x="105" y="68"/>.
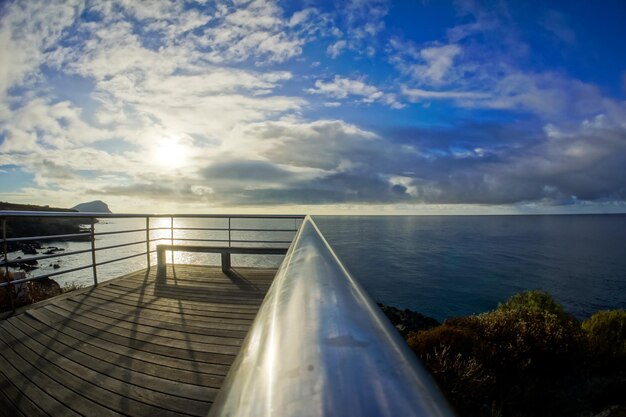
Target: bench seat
<point x="225" y="251"/>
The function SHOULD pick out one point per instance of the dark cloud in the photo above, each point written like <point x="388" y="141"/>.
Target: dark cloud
<point x="437" y="166"/>
<point x="245" y="170"/>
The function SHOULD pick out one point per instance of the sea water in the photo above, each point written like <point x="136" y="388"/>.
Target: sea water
<point x="442" y="266"/>
<point x="447" y="266"/>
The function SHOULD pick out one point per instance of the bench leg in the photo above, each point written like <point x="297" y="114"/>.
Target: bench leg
<point x="225" y="262"/>
<point x="161" y="260"/>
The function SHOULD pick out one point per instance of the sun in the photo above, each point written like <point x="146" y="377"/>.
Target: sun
<point x="170" y="153"/>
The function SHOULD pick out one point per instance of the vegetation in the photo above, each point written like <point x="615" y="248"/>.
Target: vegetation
<point x="528" y="358"/>
<point x="73" y="286"/>
<point x="606" y="331"/>
<point x="39" y="227"/>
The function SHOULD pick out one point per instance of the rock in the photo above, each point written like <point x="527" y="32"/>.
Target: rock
<point x="53" y="249"/>
<point x="27" y="265"/>
<point x="26" y="268"/>
<point x="407" y="321"/>
<point x="27" y="292"/>
<point x="29" y="250"/>
<point x="34" y="291"/>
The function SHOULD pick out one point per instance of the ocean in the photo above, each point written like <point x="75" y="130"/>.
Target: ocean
<point x="441" y="266"/>
<point x="446" y="266"/>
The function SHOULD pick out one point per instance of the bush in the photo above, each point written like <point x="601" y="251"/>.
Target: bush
<point x="512" y="360"/>
<point x="73" y="286"/>
<point x="607" y="334"/>
<point x="536" y="301"/>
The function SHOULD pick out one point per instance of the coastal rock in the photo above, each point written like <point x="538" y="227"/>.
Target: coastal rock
<point x="28" y="292"/>
<point x="407" y="321"/>
<point x="52" y="250"/>
<point x="29" y="250"/>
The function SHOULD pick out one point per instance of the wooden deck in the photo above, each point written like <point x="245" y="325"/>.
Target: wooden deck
<point x="136" y="345"/>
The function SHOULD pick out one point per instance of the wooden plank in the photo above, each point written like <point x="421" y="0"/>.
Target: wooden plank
<point x="118" y="312"/>
<point x="170" y="321"/>
<point x="122" y="360"/>
<point x="174" y="312"/>
<point x="132" y="352"/>
<point x="198" y="352"/>
<point x="25" y="406"/>
<point x="86" y="387"/>
<point x="216" y="310"/>
<point x="187" y="306"/>
<point x="23" y="392"/>
<point x="49" y="379"/>
<point x="170" y="337"/>
<point x="239" y="288"/>
<point x="196" y="308"/>
<point x="235" y="297"/>
<point x="138" y="345"/>
<point x="125" y="385"/>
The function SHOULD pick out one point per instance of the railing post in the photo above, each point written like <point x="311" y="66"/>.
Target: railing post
<point x="93" y="251"/>
<point x="5" y="249"/>
<point x="172" y="236"/>
<point x="148" y="241"/>
<point x="229" y="232"/>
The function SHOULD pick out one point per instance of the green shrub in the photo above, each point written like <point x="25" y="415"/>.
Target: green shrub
<point x="535" y="301"/>
<point x="607" y="333"/>
<point x="512" y="360"/>
<point x="73" y="286"/>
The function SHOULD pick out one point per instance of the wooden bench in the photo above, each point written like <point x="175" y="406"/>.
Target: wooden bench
<point x="225" y="251"/>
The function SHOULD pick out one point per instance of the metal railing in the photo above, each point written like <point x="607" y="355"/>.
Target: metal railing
<point x="232" y="227"/>
<point x="319" y="346"/>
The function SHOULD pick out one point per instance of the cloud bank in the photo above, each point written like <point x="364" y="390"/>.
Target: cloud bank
<point x="265" y="103"/>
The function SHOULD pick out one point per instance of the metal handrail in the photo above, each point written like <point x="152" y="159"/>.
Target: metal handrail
<point x="319" y="346"/>
<point x="90" y="233"/>
<point x="13" y="213"/>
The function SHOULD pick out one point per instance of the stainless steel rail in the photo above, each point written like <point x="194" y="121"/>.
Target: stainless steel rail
<point x="320" y="346"/>
<point x="90" y="234"/>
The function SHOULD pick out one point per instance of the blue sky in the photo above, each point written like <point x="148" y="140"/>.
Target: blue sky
<point x="356" y="106"/>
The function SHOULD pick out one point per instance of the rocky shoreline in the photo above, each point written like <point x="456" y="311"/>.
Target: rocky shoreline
<point x="34" y="248"/>
<point x="407" y="321"/>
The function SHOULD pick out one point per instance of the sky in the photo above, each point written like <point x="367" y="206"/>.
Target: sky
<point x="348" y="107"/>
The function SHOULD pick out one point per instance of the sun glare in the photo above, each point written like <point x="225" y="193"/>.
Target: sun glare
<point x="170" y="153"/>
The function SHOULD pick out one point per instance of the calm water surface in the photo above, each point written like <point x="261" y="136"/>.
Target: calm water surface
<point x="441" y="266"/>
<point x="456" y="265"/>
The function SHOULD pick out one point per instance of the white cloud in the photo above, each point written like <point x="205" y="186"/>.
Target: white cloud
<point x="365" y="17"/>
<point x="439" y="60"/>
<point x="362" y="22"/>
<point x="258" y="30"/>
<point x="416" y="95"/>
<point x="431" y="65"/>
<point x="342" y="88"/>
<point x="26" y="29"/>
<point x="335" y="49"/>
<point x="57" y="125"/>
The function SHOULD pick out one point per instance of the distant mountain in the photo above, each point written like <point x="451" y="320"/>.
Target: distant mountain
<point x="96" y="206"/>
